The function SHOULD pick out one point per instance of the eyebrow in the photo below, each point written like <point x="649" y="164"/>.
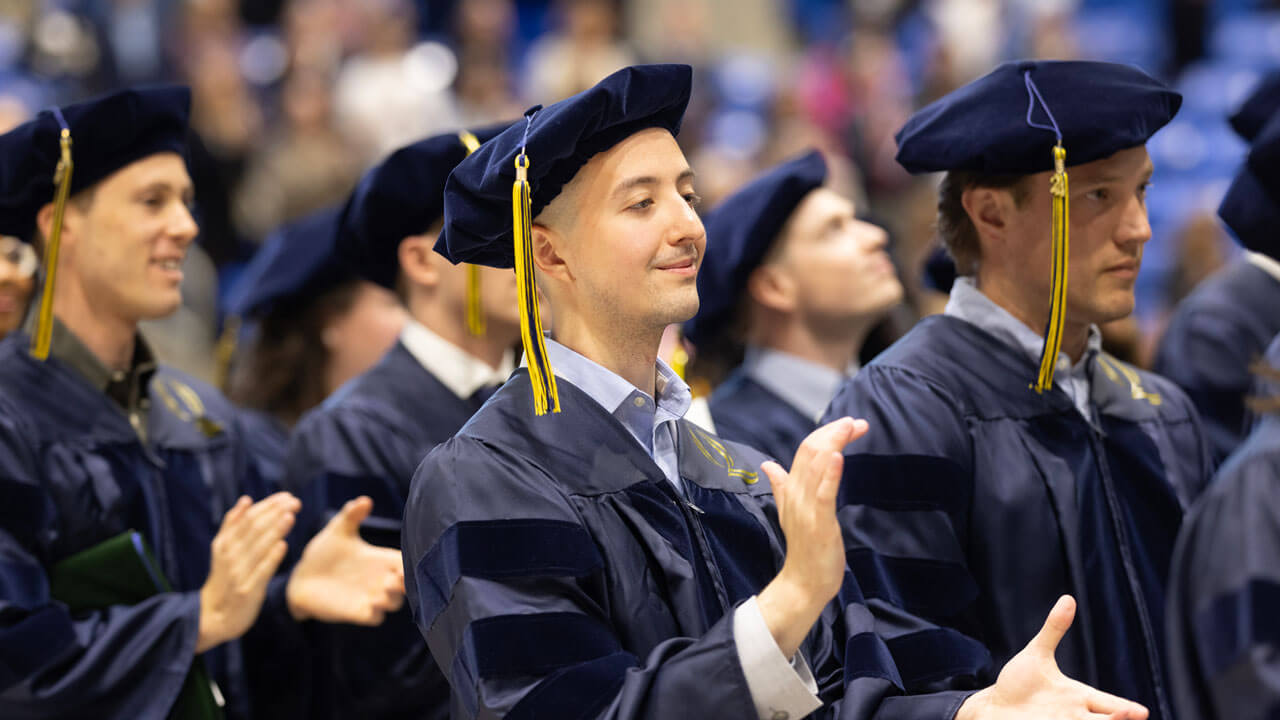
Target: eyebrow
<point x="185" y="191"/>
<point x="629" y="183"/>
<point x="1147" y="171"/>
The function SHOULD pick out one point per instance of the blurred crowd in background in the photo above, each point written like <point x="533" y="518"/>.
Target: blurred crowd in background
<point x="294" y="99"/>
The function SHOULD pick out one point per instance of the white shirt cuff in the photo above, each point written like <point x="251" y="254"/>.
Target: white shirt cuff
<point x="781" y="689"/>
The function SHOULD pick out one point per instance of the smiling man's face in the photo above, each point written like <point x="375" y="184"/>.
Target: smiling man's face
<point x="124" y="245"/>
<point x="630" y="238"/>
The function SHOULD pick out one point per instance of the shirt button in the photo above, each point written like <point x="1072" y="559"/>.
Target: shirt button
<point x="638" y="402"/>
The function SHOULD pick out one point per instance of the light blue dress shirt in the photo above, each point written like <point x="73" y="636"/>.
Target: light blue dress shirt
<point x="652" y="424"/>
<point x="969" y="304"/>
<point x="806" y="386"/>
<point x="781" y="688"/>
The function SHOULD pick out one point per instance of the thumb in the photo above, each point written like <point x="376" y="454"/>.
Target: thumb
<point x="1055" y="626"/>
<point x="352" y="514"/>
<point x="777" y="476"/>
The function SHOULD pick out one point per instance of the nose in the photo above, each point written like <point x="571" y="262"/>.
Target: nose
<point x="873" y="237"/>
<point x="183" y="225"/>
<point x="8" y="271"/>
<point x="1134" y="229"/>
<point x="687" y="227"/>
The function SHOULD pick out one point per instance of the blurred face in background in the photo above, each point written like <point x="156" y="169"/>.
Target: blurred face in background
<point x="18" y="265"/>
<point x="359" y="335"/>
<point x="833" y="265"/>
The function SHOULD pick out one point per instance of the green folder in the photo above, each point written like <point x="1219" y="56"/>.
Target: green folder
<point x="122" y="571"/>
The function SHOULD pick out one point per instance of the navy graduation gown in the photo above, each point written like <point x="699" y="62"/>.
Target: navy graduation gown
<point x="73" y="473"/>
<point x="556" y="572"/>
<point x="1213" y="337"/>
<point x="367" y="440"/>
<point x="973" y="502"/>
<point x="746" y="412"/>
<point x="266" y="441"/>
<point x="1224" y="589"/>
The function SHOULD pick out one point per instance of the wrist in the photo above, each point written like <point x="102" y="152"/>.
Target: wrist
<point x="209" y="625"/>
<point x="789" y="611"/>
<point x="974" y="706"/>
<point x="293" y="601"/>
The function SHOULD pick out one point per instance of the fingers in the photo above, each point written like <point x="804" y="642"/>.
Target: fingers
<point x="829" y="485"/>
<point x="1105" y="703"/>
<point x="833" y="436"/>
<point x="233" y="515"/>
<point x="272" y="520"/>
<point x="353" y="513"/>
<point x="1045" y="643"/>
<point x="777" y="476"/>
<point x="252" y="536"/>
<point x="268" y="565"/>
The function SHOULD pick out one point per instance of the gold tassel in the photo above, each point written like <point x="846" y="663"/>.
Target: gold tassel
<point x="225" y="351"/>
<point x="545" y="397"/>
<point x="1060" y="189"/>
<point x="475" y="310"/>
<point x="62" y="180"/>
<point x="680" y="359"/>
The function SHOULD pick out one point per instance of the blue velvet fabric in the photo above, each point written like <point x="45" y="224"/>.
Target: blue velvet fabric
<point x="1261" y="104"/>
<point x="1215" y="334"/>
<point x="1100" y="108"/>
<point x="296" y="263"/>
<point x="740" y="231"/>
<point x="107" y="133"/>
<point x="401" y="196"/>
<point x="73" y="473"/>
<point x="367" y="439"/>
<point x="974" y="502"/>
<point x="746" y="412"/>
<point x="555" y="572"/>
<point x="559" y="140"/>
<point x="1222" y="624"/>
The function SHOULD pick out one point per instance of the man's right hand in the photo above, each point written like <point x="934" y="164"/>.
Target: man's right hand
<point x="1031" y="687"/>
<point x="245" y="555"/>
<point x="814" y="568"/>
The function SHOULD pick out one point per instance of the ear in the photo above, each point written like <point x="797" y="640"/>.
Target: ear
<point x="70" y="223"/>
<point x="990" y="210"/>
<point x="773" y="287"/>
<point x="546" y="253"/>
<point x="419" y="261"/>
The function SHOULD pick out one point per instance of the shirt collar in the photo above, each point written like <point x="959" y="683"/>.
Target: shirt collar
<point x="611" y="390"/>
<point x="968" y="303"/>
<point x="1267" y="264"/>
<point x="125" y="387"/>
<point x="806" y="386"/>
<point x="458" y="370"/>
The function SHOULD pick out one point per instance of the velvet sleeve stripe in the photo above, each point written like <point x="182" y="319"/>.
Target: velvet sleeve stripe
<point x="536" y="643"/>
<point x="34" y="642"/>
<point x="578" y="692"/>
<point x="932" y="588"/>
<point x="334" y="490"/>
<point x="497" y="549"/>
<point x="905" y="482"/>
<point x="22" y="585"/>
<point x="866" y="655"/>
<point x="928" y="655"/>
<point x="1236" y="621"/>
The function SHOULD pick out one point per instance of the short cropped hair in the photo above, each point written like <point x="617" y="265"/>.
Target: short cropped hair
<point x="955" y="227"/>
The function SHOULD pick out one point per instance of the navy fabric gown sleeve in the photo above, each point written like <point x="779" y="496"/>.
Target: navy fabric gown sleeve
<point x="903" y="506"/>
<point x="122" y="661"/>
<point x="1222" y="633"/>
<point x="504" y="581"/>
